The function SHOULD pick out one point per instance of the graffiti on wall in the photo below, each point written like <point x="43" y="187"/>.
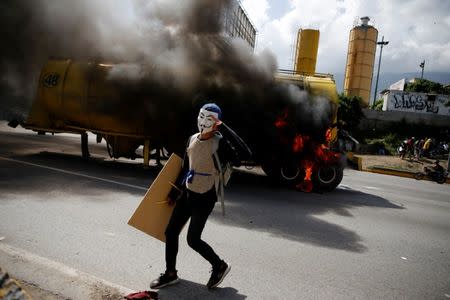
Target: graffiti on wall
<point x="415" y="102"/>
<point x="418" y="102"/>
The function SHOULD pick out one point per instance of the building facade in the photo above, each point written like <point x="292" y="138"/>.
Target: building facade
<point x="238" y="24"/>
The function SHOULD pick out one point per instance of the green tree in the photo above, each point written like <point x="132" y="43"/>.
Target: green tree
<point x="378" y="105"/>
<point x="349" y="111"/>
<point x="447" y="90"/>
<point x="425" y="86"/>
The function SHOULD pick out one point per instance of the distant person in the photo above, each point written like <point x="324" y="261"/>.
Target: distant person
<point x="427" y="146"/>
<point x="420" y="144"/>
<point x="410" y="146"/>
<point x="436" y="169"/>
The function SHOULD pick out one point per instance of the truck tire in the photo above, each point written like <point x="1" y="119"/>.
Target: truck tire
<point x="288" y="175"/>
<point x="327" y="178"/>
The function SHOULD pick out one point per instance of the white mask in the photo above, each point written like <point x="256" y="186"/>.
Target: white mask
<point x="205" y="122"/>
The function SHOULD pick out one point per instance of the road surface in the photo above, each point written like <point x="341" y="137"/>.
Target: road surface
<point x="375" y="237"/>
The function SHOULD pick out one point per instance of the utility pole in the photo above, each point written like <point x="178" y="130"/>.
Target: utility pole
<point x="382" y="44"/>
<point x="422" y="65"/>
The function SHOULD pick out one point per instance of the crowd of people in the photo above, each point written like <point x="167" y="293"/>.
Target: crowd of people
<point x="423" y="147"/>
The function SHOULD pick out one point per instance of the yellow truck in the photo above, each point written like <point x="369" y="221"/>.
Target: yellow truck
<point x="78" y="97"/>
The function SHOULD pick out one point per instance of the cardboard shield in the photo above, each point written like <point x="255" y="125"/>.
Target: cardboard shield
<point x="153" y="214"/>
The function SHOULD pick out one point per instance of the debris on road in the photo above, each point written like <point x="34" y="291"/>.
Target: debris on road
<point x="145" y="295"/>
<point x="10" y="289"/>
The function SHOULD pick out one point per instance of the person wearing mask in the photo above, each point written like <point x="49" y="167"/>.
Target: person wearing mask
<point x="207" y="155"/>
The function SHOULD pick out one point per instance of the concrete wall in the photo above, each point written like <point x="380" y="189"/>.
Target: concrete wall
<point x="382" y="119"/>
<point x="416" y="103"/>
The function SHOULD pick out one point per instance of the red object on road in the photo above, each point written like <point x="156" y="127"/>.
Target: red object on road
<point x="145" y="295"/>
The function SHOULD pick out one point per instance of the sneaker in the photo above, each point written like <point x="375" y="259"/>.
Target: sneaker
<point x="163" y="280"/>
<point x="218" y="275"/>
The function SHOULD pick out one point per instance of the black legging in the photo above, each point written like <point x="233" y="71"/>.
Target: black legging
<point x="198" y="207"/>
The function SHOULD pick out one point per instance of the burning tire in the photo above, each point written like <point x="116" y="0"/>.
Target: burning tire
<point x="327" y="178"/>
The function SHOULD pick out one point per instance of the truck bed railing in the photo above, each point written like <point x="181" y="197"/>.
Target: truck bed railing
<point x="292" y="72"/>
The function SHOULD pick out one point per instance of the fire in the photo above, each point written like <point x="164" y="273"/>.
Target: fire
<point x="308" y="170"/>
<point x="306" y="150"/>
<point x="280" y="123"/>
<point x="320" y="153"/>
<point x="281" y="120"/>
<point x="328" y="135"/>
<point x="323" y="154"/>
<point x="306" y="185"/>
<point x="297" y="146"/>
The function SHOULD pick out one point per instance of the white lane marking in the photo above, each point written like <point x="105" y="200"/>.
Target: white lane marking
<point x="344" y="187"/>
<point x="404" y="258"/>
<point x="371" y="188"/>
<point x="74" y="173"/>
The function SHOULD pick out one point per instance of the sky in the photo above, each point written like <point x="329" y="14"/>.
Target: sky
<point x="417" y="30"/>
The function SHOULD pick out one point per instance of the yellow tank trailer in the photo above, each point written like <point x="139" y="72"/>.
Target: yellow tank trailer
<point x="78" y="97"/>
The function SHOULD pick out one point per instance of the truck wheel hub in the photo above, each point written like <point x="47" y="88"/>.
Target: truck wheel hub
<point x="327" y="174"/>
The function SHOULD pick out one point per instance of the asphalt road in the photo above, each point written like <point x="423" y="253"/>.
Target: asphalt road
<point x="375" y="237"/>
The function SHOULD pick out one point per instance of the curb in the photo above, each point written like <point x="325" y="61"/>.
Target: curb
<point x="354" y="161"/>
<point x="56" y="277"/>
<point x="399" y="173"/>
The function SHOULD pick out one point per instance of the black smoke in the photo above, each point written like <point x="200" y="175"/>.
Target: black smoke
<point x="169" y="56"/>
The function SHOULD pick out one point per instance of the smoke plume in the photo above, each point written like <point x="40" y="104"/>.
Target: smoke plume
<point x="169" y="58"/>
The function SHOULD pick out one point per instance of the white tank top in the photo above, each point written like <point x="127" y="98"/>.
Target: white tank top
<point x="201" y="162"/>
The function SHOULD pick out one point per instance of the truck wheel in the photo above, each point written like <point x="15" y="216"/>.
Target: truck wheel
<point x="327" y="178"/>
<point x="289" y="173"/>
<point x="283" y="175"/>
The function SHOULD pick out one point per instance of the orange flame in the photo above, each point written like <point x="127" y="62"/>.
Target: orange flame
<point x="306" y="185"/>
<point x="308" y="170"/>
<point x="325" y="155"/>
<point x="328" y="135"/>
<point x="297" y="146"/>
